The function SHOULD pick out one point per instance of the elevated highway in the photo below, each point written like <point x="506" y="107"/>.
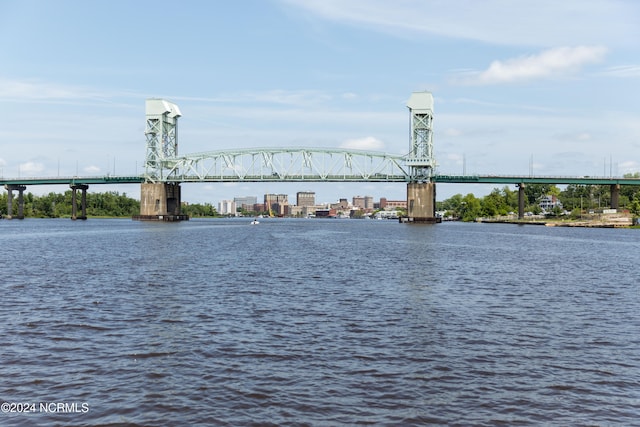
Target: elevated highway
<point x="274" y="175"/>
<point x="528" y="179"/>
<point x="299" y="165"/>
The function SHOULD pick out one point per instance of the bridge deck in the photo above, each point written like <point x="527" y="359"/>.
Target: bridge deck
<point x="453" y="179"/>
<point x="73" y="180"/>
<point x="521" y="179"/>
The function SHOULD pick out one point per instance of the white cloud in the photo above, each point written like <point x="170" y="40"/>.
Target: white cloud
<point x="368" y="143"/>
<point x="349" y="96"/>
<point x="39" y="91"/>
<point x="275" y="96"/>
<point x="2" y="162"/>
<point x="35" y="89"/>
<point x="91" y="169"/>
<point x="30" y="168"/>
<point x="452" y="132"/>
<point x="628" y="167"/>
<point x="623" y="71"/>
<point x="556" y="62"/>
<point x="501" y="22"/>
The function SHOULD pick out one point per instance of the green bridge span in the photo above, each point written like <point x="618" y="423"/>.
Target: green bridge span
<point x="518" y="179"/>
<point x="82" y="183"/>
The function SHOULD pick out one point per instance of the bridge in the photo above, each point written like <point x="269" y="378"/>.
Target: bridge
<point x="165" y="169"/>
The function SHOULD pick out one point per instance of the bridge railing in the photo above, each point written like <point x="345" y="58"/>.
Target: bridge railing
<point x="288" y="178"/>
<point x="62" y="180"/>
<point x="535" y="179"/>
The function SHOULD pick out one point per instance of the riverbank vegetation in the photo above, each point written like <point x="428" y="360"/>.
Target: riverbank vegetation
<point x="108" y="204"/>
<point x="56" y="205"/>
<point x="575" y="199"/>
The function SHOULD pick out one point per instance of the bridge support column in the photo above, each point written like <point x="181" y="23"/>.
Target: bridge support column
<point x="421" y="203"/>
<point x="521" y="198"/>
<point x="83" y="202"/>
<point x="615" y="196"/>
<point x="10" y="189"/>
<point x="160" y="202"/>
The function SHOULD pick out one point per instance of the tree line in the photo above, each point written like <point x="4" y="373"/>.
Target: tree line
<point x="501" y="201"/>
<point x="575" y="199"/>
<point x="56" y="205"/>
<point x="107" y="204"/>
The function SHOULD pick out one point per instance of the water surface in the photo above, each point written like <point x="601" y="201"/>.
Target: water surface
<point x="319" y="322"/>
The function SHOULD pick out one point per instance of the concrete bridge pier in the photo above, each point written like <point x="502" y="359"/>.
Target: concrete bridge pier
<point x="10" y="189"/>
<point x="615" y="196"/>
<point x="83" y="203"/>
<point x="521" y="199"/>
<point x="160" y="202"/>
<point x="421" y="203"/>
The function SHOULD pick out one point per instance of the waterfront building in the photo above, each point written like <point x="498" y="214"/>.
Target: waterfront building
<point x="305" y="198"/>
<point x="276" y="203"/>
<point x="246" y="202"/>
<point x="227" y="207"/>
<point x="363" y="202"/>
<point x="392" y="204"/>
<point x="549" y="202"/>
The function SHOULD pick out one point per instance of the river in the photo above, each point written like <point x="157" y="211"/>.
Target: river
<point x="317" y="322"/>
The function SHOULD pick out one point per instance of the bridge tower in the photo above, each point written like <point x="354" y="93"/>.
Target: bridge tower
<point x="160" y="195"/>
<point x="421" y="190"/>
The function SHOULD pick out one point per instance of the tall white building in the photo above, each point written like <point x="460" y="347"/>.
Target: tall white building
<point x="227" y="207"/>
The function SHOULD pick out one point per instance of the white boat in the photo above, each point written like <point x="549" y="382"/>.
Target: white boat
<point x="255" y="222"/>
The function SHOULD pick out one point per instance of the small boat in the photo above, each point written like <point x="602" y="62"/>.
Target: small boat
<point x="255" y="222"/>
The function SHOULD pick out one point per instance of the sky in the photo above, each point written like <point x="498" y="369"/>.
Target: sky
<point x="541" y="87"/>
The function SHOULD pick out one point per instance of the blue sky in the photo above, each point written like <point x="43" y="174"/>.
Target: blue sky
<point x="519" y="86"/>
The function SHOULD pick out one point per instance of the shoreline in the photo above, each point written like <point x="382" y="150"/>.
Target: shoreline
<point x="623" y="222"/>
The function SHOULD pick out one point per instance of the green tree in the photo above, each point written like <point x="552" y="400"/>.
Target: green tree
<point x="496" y="202"/>
<point x="196" y="210"/>
<point x="628" y="192"/>
<point x="54" y="205"/>
<point x="575" y="196"/>
<point x="533" y="192"/>
<point x="452" y="205"/>
<point x="510" y="198"/>
<point x="634" y="207"/>
<point x="471" y="208"/>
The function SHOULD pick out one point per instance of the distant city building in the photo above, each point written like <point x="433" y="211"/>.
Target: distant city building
<point x="392" y="204"/>
<point x="390" y="214"/>
<point x="326" y="213"/>
<point x="305" y="198"/>
<point x="342" y="204"/>
<point x="276" y="203"/>
<point x="247" y="202"/>
<point x="368" y="202"/>
<point x="227" y="207"/>
<point x="365" y="203"/>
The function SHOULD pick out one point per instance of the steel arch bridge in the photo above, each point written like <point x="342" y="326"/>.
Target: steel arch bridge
<point x="282" y="165"/>
<point x="165" y="170"/>
<point x="164" y="165"/>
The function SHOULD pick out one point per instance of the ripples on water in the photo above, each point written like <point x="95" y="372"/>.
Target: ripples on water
<point x="320" y="322"/>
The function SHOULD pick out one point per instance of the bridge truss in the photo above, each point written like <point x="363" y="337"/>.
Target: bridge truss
<point x="285" y="165"/>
